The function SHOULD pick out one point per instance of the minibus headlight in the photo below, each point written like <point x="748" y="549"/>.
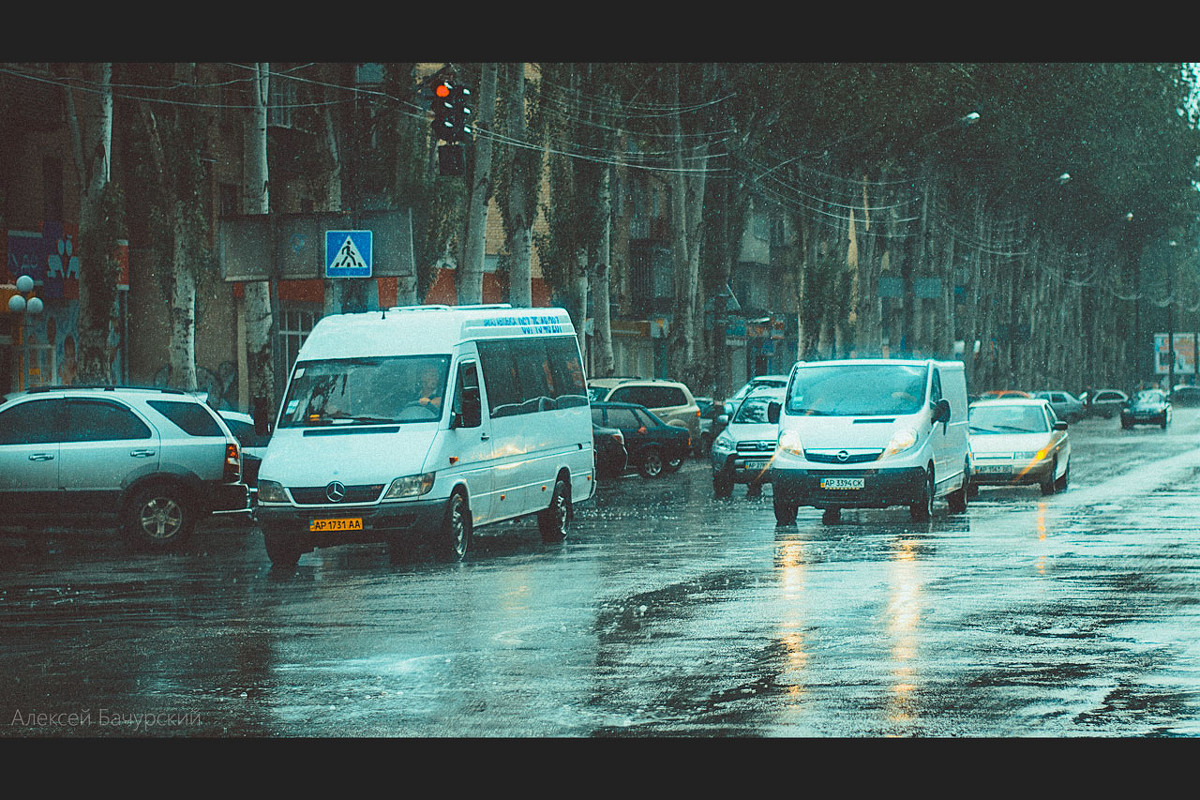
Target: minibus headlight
<point x="409" y="486"/>
<point x="271" y="492"/>
<point x="901" y="440"/>
<point x="789" y="442"/>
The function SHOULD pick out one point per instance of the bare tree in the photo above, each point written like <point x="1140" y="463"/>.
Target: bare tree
<point x="470" y="273"/>
<point x="257" y="297"/>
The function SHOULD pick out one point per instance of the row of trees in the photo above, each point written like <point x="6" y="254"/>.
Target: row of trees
<point x="1017" y="205"/>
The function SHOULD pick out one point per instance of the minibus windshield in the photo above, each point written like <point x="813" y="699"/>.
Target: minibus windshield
<point x="350" y="391"/>
<point x="852" y="390"/>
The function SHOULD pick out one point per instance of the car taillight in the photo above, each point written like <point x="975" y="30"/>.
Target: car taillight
<point x="233" y="463"/>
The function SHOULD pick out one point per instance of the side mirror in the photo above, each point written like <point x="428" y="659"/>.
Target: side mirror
<point x="728" y="409"/>
<point x="1060" y="426"/>
<point x="262" y="417"/>
<point x="773" y="409"/>
<point x="723" y="419"/>
<point x="941" y="411"/>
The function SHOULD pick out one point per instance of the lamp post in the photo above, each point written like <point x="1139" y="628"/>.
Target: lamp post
<point x="22" y="304"/>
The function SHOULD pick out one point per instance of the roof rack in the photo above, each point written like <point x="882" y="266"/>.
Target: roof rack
<point x="105" y="387"/>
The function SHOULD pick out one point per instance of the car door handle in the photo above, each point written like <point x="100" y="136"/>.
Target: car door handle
<point x="141" y="453"/>
<point x="483" y="437"/>
<point x="41" y="457"/>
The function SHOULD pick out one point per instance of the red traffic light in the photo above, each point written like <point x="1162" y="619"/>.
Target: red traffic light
<point x="442" y="90"/>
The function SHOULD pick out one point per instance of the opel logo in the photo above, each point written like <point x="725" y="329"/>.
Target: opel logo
<point x="335" y="492"/>
<point x="842" y="455"/>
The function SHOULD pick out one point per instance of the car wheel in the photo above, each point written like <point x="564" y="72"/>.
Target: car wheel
<point x="282" y="548"/>
<point x="158" y="518"/>
<point x="1061" y="484"/>
<point x="1048" y="485"/>
<point x="958" y="499"/>
<point x="553" y="521"/>
<point x="922" y="510"/>
<point x="785" y="512"/>
<point x="831" y="516"/>
<point x="651" y="464"/>
<point x="455" y="535"/>
<point x="722" y="486"/>
<point x="1164" y="423"/>
<point x="673" y="464"/>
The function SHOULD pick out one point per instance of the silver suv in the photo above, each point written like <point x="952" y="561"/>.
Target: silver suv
<point x="150" y="462"/>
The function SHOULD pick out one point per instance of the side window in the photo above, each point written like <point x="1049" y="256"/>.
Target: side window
<point x="570" y="386"/>
<point x="191" y="418"/>
<point x="35" y="422"/>
<point x="598" y="417"/>
<point x="500" y="379"/>
<point x="935" y="389"/>
<point x="533" y="371"/>
<point x="623" y="418"/>
<point x="98" y="421"/>
<point x="468" y="378"/>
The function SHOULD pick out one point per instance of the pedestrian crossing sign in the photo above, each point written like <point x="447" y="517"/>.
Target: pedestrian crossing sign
<point x="347" y="254"/>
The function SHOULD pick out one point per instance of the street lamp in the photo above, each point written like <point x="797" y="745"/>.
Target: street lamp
<point x="22" y="304"/>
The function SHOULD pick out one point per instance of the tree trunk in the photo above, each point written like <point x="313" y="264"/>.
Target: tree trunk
<point x="181" y="349"/>
<point x="470" y="272"/>
<point x="602" y="355"/>
<point x="521" y="205"/>
<point x="256" y="302"/>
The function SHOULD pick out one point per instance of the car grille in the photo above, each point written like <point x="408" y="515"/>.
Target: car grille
<point x="756" y="447"/>
<point x="835" y="458"/>
<point x="317" y="495"/>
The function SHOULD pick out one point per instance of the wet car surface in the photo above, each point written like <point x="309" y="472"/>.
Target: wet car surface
<point x="665" y="613"/>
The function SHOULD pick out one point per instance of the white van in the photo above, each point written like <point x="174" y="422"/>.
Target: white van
<point x="871" y="433"/>
<point x="427" y="420"/>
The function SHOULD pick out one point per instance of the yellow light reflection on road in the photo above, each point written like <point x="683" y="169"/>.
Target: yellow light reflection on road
<point x="903" y="620"/>
<point x="792" y="569"/>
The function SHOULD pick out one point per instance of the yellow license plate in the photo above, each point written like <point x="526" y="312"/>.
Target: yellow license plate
<point x="327" y="525"/>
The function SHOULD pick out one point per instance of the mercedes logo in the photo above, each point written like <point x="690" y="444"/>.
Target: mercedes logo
<point x="335" y="492"/>
<point x="842" y="455"/>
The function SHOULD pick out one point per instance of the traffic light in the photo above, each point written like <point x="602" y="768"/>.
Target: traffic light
<point x="442" y="108"/>
<point x="451" y="112"/>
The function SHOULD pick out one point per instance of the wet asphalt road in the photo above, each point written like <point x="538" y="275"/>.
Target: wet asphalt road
<point x="666" y="613"/>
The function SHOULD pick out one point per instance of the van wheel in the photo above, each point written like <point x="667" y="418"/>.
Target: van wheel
<point x="553" y="521"/>
<point x="785" y="512"/>
<point x="922" y="510"/>
<point x="157" y="518"/>
<point x="455" y="536"/>
<point x="651" y="464"/>
<point x="958" y="500"/>
<point x="282" y="548"/>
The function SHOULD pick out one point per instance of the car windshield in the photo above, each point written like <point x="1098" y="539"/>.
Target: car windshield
<point x="366" y="390"/>
<point x="852" y="390"/>
<point x="1149" y="397"/>
<point x="753" y="410"/>
<point x="1007" y="419"/>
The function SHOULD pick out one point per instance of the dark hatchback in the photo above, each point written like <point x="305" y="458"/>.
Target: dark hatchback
<point x="654" y="447"/>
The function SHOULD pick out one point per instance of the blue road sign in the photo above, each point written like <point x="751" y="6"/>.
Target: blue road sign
<point x="347" y="254"/>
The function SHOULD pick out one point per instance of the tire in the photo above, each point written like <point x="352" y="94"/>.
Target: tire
<point x="922" y="510"/>
<point x="158" y="518"/>
<point x="282" y="548"/>
<point x="1062" y="483"/>
<point x="722" y="486"/>
<point x="454" y="536"/>
<point x="673" y="465"/>
<point x="831" y="516"/>
<point x="651" y="463"/>
<point x="1049" y="484"/>
<point x="958" y="499"/>
<point x="785" y="512"/>
<point x="554" y="520"/>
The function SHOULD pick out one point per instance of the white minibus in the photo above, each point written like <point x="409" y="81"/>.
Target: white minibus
<point x="427" y="422"/>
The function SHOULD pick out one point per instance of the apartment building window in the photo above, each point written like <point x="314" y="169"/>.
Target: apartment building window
<point x="296" y="321"/>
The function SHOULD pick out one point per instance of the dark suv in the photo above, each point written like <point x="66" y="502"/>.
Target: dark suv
<point x="150" y="462"/>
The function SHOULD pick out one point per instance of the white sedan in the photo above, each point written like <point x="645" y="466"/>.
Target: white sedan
<point x="1018" y="441"/>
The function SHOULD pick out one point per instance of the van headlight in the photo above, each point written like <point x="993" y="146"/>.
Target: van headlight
<point x="789" y="442"/>
<point x="409" y="486"/>
<point x="903" y="439"/>
<point x="271" y="492"/>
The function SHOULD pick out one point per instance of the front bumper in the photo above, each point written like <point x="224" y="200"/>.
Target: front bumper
<point x="742" y="467"/>
<point x="879" y="488"/>
<point x="1010" y="474"/>
<point x="378" y="522"/>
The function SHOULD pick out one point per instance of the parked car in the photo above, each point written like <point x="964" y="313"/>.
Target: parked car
<point x="1148" y="407"/>
<point x="609" y="446"/>
<point x="670" y="401"/>
<point x="654" y="446"/>
<point x="1018" y="441"/>
<point x="1067" y="406"/>
<point x="254" y="447"/>
<point x="1106" y="403"/>
<point x="1186" y="396"/>
<point x="759" y="382"/>
<point x="149" y="462"/>
<point x="743" y="451"/>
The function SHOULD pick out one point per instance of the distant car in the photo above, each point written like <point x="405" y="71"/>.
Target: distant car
<point x="1148" y="407"/>
<point x="1066" y="406"/>
<point x="1106" y="403"/>
<point x="671" y="401"/>
<point x="708" y="412"/>
<point x="254" y="447"/>
<point x="1017" y="441"/>
<point x="609" y="446"/>
<point x="1186" y="396"/>
<point x="743" y="451"/>
<point x="759" y="382"/>
<point x="654" y="447"/>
